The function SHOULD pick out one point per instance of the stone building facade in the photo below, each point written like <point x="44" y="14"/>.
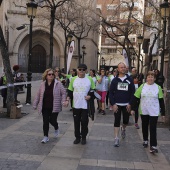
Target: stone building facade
<point x="13" y="14"/>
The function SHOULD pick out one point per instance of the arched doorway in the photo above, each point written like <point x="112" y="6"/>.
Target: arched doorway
<point x="38" y="60"/>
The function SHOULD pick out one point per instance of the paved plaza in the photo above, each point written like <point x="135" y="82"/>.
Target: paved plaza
<point x="21" y="148"/>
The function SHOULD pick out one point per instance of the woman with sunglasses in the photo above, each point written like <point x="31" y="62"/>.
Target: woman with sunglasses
<point x="49" y="100"/>
<point x="59" y="76"/>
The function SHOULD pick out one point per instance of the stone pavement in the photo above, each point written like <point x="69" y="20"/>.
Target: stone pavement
<point x="20" y="146"/>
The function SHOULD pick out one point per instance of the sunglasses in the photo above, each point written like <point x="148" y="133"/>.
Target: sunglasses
<point x="50" y="74"/>
<point x="82" y="69"/>
<point x="57" y="71"/>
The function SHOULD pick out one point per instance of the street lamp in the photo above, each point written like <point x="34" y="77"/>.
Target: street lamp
<point x="140" y="40"/>
<point x="164" y="7"/>
<point x="69" y="38"/>
<point x="103" y="62"/>
<point x="31" y="12"/>
<point x="84" y="53"/>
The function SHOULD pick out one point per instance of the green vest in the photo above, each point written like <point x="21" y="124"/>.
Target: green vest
<point x="4" y="80"/>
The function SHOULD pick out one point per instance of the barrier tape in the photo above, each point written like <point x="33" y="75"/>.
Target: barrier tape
<point x="15" y="84"/>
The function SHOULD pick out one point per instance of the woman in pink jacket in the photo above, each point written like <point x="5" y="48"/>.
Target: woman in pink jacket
<point x="49" y="100"/>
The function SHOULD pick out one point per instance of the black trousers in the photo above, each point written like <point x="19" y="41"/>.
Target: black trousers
<point x="49" y="117"/>
<point x="149" y="121"/>
<point x="107" y="98"/>
<point x="136" y="115"/>
<point x="80" y="118"/>
<point x="121" y="109"/>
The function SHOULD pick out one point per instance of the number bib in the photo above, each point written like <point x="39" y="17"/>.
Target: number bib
<point x="122" y="86"/>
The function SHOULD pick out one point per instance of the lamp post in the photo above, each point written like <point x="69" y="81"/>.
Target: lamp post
<point x="131" y="50"/>
<point x="31" y="12"/>
<point x="69" y="38"/>
<point x="98" y="54"/>
<point x="103" y="62"/>
<point x="84" y="53"/>
<point x="140" y="40"/>
<point x="164" y="7"/>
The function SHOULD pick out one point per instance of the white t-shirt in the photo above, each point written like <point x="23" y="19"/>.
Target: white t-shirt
<point x="149" y="102"/>
<point x="80" y="88"/>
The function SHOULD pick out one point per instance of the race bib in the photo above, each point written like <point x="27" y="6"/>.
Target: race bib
<point x="122" y="86"/>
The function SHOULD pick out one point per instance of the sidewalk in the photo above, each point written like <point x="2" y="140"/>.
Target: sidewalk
<point x="20" y="146"/>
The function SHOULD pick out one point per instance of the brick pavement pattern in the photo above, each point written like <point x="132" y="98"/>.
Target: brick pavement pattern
<point x="20" y="146"/>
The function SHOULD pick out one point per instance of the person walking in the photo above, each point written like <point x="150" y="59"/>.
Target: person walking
<point x="93" y="75"/>
<point x="111" y="77"/>
<point x="49" y="100"/>
<point x="121" y="93"/>
<point x="135" y="78"/>
<point x="102" y="87"/>
<point x="59" y="77"/>
<point x="73" y="73"/>
<point x="151" y="100"/>
<point x="80" y="87"/>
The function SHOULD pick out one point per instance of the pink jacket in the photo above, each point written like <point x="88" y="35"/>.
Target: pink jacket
<point x="59" y="96"/>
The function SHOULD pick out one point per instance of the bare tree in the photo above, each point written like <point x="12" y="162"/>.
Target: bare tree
<point x="52" y="5"/>
<point x="8" y="72"/>
<point x="121" y="20"/>
<point x="77" y="18"/>
<point x="168" y="78"/>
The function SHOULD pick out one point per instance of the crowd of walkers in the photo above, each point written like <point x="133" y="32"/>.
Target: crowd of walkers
<point x="123" y="92"/>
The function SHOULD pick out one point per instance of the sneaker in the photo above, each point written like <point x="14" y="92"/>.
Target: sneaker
<point x="116" y="142"/>
<point x="137" y="126"/>
<point x="83" y="141"/>
<point x="56" y="133"/>
<point x="123" y="133"/>
<point x="153" y="149"/>
<point x="45" y="139"/>
<point x="110" y="108"/>
<point x="145" y="144"/>
<point x="103" y="112"/>
<point x="76" y="141"/>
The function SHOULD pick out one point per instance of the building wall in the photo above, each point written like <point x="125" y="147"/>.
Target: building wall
<point x="19" y="39"/>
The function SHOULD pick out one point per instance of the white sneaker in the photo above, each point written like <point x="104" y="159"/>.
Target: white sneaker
<point x="116" y="142"/>
<point x="110" y="108"/>
<point x="56" y="133"/>
<point x="45" y="139"/>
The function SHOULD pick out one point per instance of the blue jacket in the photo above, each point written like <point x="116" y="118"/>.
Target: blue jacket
<point x="121" y="91"/>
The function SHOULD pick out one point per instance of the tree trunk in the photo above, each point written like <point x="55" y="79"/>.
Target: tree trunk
<point x="8" y="72"/>
<point x="65" y="52"/>
<point x="79" y="55"/>
<point x="51" y="37"/>
<point x="168" y="79"/>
